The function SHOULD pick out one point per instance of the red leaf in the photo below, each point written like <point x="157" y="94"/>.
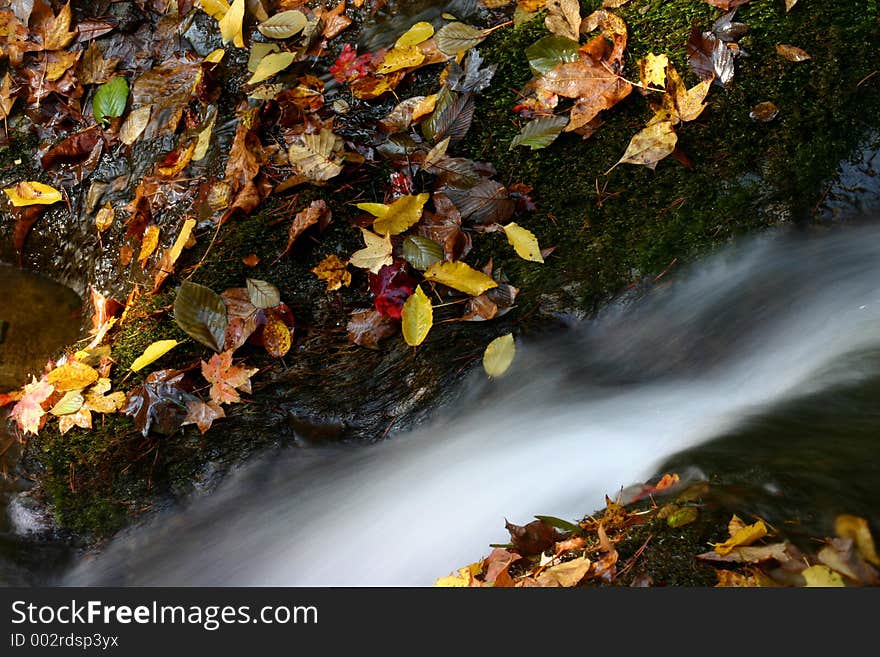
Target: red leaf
<point x="391" y="287"/>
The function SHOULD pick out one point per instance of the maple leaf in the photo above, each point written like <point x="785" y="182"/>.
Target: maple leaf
<point x="160" y="403"/>
<point x="203" y="414"/>
<point x="334" y="271"/>
<point x="28" y="412"/>
<point x="226" y="379"/>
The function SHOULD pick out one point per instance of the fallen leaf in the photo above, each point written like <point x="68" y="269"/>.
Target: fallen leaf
<point x="533" y="538"/>
<point x="32" y="192"/>
<point x="231" y="25"/>
<point x="202" y="414"/>
<point x="462" y="578"/>
<point x="376" y="253"/>
<point x="201" y="314"/>
<point x="159" y="404"/>
<point x="710" y="57"/>
<point x="566" y="574"/>
<point x="650" y="145"/>
<point x="315" y="157"/>
<point x="523" y="242"/>
<point x="73" y="375"/>
<point x="135" y="124"/>
<point x="367" y="327"/>
<point x="110" y="100"/>
<point x="98" y="401"/>
<point x="792" y="53"/>
<point x="397" y="217"/>
<point x="315" y="212"/>
<point x="149" y="243"/>
<point x="856" y="528"/>
<point x="457" y="37"/>
<point x="540" y="132"/>
<point x="460" y="276"/>
<point x="821" y="576"/>
<point x="417" y="317"/>
<point x="277" y="338"/>
<point x="421" y="252"/>
<point x="764" y="112"/>
<point x="652" y="70"/>
<point x="226" y="379"/>
<point x="153" y="353"/>
<point x="399" y="58"/>
<point x="28" y="411"/>
<point x="284" y="24"/>
<point x="270" y="65"/>
<point x="499" y="355"/>
<point x="71" y="402"/>
<point x="752" y="554"/>
<point x="81" y="418"/>
<point x="744" y="537"/>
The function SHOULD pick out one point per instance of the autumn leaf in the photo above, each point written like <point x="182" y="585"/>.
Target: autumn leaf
<point x="201" y="314"/>
<point x="226" y="379"/>
<point x="98" y="400"/>
<point x="821" y="576"/>
<point x="55" y="32"/>
<point x="376" y="253"/>
<point x="499" y="355"/>
<point x="73" y="375"/>
<point x="391" y="286"/>
<point x="333" y="271"/>
<point x="566" y="574"/>
<point x="792" y="53"/>
<point x="315" y="212"/>
<point x="283" y="25"/>
<point x="462" y="577"/>
<point x="270" y="65"/>
<point x="540" y="132"/>
<point x="315" y="156"/>
<point x="523" y="242"/>
<point x="262" y="294"/>
<point x="650" y="145"/>
<point x="367" y="328"/>
<point x="457" y="37"/>
<point x="153" y="353"/>
<point x="726" y="4"/>
<point x="149" y="243"/>
<point x="71" y="402"/>
<point x="276" y="336"/>
<point x="399" y="58"/>
<point x="417" y="318"/>
<point x="652" y="70"/>
<point x="564" y="18"/>
<point x="32" y="192"/>
<point x="460" y="276"/>
<point x="159" y="404"/>
<point x="764" y="112"/>
<point x="398" y="217"/>
<point x="28" y="412"/>
<point x="202" y="414"/>
<point x="744" y="537"/>
<point x="532" y="538"/>
<point x="856" y="528"/>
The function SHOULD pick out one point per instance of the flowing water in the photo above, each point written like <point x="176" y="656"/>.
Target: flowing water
<point x="37" y="317"/>
<point x="759" y="366"/>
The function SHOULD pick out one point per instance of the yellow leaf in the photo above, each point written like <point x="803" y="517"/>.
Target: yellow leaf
<point x="58" y="35"/>
<point x="215" y="56"/>
<point x="401" y="58"/>
<point x="687" y="104"/>
<point x="334" y="271"/>
<point x="376" y="253"/>
<point x="71" y="402"/>
<point x="523" y="242"/>
<point x="652" y="70"/>
<point x="184" y="157"/>
<point x="425" y="107"/>
<point x="216" y="9"/>
<point x="31" y="192"/>
<point x="315" y="157"/>
<point x="104" y="218"/>
<point x="745" y="536"/>
<point x="417" y="318"/>
<point x="650" y="145"/>
<point x="461" y="277"/>
<point x="856" y="528"/>
<point x="399" y="216"/>
<point x="204" y="140"/>
<point x="72" y="376"/>
<point x="182" y="239"/>
<point x="822" y="576"/>
<point x="270" y="65"/>
<point x="461" y="578"/>
<point x="153" y="353"/>
<point x="419" y="32"/>
<point x="231" y="24"/>
<point x="499" y="355"/>
<point x="82" y="418"/>
<point x="565" y="574"/>
<point x="149" y="243"/>
<point x="99" y="401"/>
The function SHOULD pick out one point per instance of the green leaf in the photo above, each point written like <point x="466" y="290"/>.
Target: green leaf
<point x="110" y="99"/>
<point x="283" y="25"/>
<point x="262" y="294"/>
<point x="201" y="314"/>
<point x="559" y="523"/>
<point x="540" y="132"/>
<point x="456" y="37"/>
<point x="71" y="402"/>
<point x="421" y="252"/>
<point x="546" y="53"/>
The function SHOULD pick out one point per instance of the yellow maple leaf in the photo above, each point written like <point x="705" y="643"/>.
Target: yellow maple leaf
<point x="399" y="216"/>
<point x="334" y="271"/>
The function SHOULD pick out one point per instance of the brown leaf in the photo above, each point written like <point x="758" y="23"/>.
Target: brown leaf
<point x="565" y="574"/>
<point x="317" y="211"/>
<point x="485" y="204"/>
<point x="564" y="18"/>
<point x="710" y="57"/>
<point x="368" y="327"/>
<point x="792" y="53"/>
<point x="444" y="227"/>
<point x="72" y="150"/>
<point x="532" y="538"/>
<point x="726" y="4"/>
<point x="242" y="316"/>
<point x="202" y="414"/>
<point x="752" y="554"/>
<point x="498" y="561"/>
<point x="841" y="555"/>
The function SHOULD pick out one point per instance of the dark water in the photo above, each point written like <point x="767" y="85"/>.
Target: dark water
<point x="37" y="317"/>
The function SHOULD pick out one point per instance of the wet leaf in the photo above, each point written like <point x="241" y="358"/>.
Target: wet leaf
<point x="398" y="217"/>
<point x="72" y="150"/>
<point x="231" y="25"/>
<point x="270" y="65"/>
<point x="28" y="411"/>
<point x="840" y="555"/>
<point x="376" y="253"/>
<point x="499" y="355"/>
<point x="153" y="353"/>
<point x="317" y="211"/>
<point x="457" y="37"/>
<point x="392" y="286"/>
<point x="533" y="538"/>
<point x="262" y="294"/>
<point x="792" y="53"/>
<point x="549" y="51"/>
<point x="32" y="192"/>
<point x="98" y="401"/>
<point x="650" y="145"/>
<point x="71" y="402"/>
<point x="201" y="314"/>
<point x="366" y="328"/>
<point x="421" y="31"/>
<point x="149" y="243"/>
<point x="472" y="76"/>
<point x="104" y="218"/>
<point x="417" y="318"/>
<point x="226" y="379"/>
<point x="397" y="59"/>
<point x="73" y="375"/>
<point x="652" y="70"/>
<point x="564" y="18"/>
<point x="559" y="523"/>
<point x="81" y="418"/>
<point x="110" y="99"/>
<point x="333" y="271"/>
<point x="461" y="578"/>
<point x="202" y="414"/>
<point x="710" y="57"/>
<point x="452" y="116"/>
<point x="683" y="516"/>
<point x="55" y="32"/>
<point x="540" y="133"/>
<point x="421" y="252"/>
<point x="460" y="276"/>
<point x="856" y="528"/>
<point x="315" y="157"/>
<point x="283" y="25"/>
<point x="135" y="124"/>
<point x="821" y="576"/>
<point x="159" y="404"/>
<point x="726" y="4"/>
<point x="789" y="4"/>
<point x="566" y="574"/>
<point x="485" y="203"/>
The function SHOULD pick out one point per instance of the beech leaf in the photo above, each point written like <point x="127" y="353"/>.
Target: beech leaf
<point x="457" y="37"/>
<point x="421" y="252"/>
<point x="523" y="242"/>
<point x="461" y="277"/>
<point x="110" y="99"/>
<point x="153" y="353"/>
<point x="201" y="314"/>
<point x="399" y="216"/>
<point x="499" y="355"/>
<point x="31" y="192"/>
<point x="270" y="65"/>
<point x="262" y="294"/>
<point x="417" y="318"/>
<point x="540" y="133"/>
<point x="283" y="25"/>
